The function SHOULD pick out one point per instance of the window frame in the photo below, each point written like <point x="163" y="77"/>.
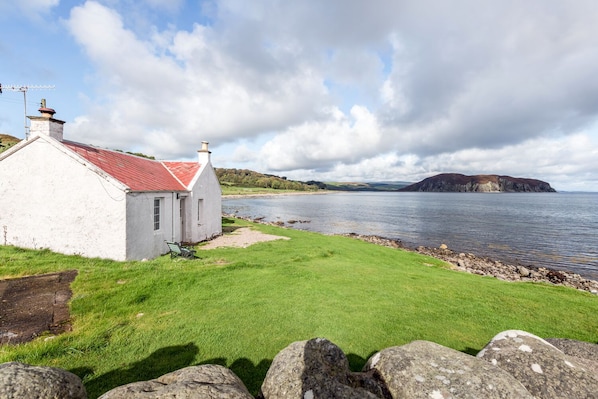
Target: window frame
<point x="157" y="214"/>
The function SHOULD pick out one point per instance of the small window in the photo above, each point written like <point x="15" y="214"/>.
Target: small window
<point x="157" y="213"/>
<point x="200" y="210"/>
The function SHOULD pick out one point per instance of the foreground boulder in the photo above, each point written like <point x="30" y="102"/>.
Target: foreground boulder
<point x="515" y="364"/>
<point x="316" y="369"/>
<point x="22" y="381"/>
<point x="581" y="350"/>
<point x="544" y="370"/>
<point x="424" y="369"/>
<point x="208" y="381"/>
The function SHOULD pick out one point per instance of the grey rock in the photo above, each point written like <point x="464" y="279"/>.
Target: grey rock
<point x="523" y="271"/>
<point x="543" y="369"/>
<point x="206" y="382"/>
<point x="22" y="381"/>
<point x="423" y="369"/>
<point x="487" y="267"/>
<point x="580" y="349"/>
<point x="315" y="369"/>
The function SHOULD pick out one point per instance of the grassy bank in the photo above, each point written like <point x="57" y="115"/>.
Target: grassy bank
<point x="239" y="307"/>
<point x="237" y="190"/>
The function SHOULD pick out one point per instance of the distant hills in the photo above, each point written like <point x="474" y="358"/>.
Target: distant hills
<point x="249" y="178"/>
<point x="7" y="141"/>
<point x="445" y="182"/>
<point x="371" y="186"/>
<point x="454" y="182"/>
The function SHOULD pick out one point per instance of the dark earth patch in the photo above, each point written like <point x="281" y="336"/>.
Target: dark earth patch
<point x="31" y="306"/>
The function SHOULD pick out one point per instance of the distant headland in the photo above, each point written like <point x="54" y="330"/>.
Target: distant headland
<point x="455" y="182"/>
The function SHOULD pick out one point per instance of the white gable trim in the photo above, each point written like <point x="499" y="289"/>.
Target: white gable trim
<point x="17" y="147"/>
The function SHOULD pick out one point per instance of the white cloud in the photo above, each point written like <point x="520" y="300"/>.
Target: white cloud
<point x="559" y="161"/>
<point x="383" y="89"/>
<point x="320" y="143"/>
<point x="486" y="81"/>
<point x="190" y="91"/>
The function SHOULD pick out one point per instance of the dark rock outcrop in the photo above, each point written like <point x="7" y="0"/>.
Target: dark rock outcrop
<point x="22" y="381"/>
<point x="455" y="182"/>
<point x="316" y="369"/>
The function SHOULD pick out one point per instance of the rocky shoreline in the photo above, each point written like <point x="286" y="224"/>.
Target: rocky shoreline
<point x="474" y="264"/>
<point x="484" y="266"/>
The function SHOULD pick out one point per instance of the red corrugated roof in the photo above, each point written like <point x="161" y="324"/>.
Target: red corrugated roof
<point x="184" y="171"/>
<point x="137" y="173"/>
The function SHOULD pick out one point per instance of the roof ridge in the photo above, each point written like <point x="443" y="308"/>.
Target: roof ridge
<point x="172" y="173"/>
<point x="122" y="152"/>
<point x="136" y="172"/>
<point x="180" y="176"/>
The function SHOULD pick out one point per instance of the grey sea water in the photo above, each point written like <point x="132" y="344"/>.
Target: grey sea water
<point x="554" y="230"/>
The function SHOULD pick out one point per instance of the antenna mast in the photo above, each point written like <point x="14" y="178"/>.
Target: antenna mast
<point x="23" y="89"/>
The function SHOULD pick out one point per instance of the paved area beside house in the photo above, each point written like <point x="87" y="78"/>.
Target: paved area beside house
<point x="241" y="237"/>
<point x="33" y="305"/>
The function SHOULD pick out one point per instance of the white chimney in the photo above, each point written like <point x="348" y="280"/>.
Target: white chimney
<point x="204" y="153"/>
<point x="46" y="124"/>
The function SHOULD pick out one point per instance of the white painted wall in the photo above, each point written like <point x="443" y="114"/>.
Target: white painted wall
<point x="205" y="223"/>
<point x="50" y="199"/>
<point x="142" y="240"/>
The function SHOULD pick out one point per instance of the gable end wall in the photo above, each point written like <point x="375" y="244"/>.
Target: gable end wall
<point x="50" y="199"/>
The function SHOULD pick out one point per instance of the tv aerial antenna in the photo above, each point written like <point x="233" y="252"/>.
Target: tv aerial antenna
<point x="23" y="89"/>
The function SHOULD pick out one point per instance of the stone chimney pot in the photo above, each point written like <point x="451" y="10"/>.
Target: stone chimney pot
<point x="47" y="112"/>
<point x="45" y="124"/>
<point x="204" y="153"/>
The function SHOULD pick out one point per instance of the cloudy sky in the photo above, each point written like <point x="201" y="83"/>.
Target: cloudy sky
<point x="335" y="90"/>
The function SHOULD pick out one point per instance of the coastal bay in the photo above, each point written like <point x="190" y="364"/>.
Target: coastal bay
<point x="552" y="230"/>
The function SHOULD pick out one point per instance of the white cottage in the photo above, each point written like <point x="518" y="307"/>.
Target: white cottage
<point x="79" y="199"/>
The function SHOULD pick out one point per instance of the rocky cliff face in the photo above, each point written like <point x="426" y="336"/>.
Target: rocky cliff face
<point x="454" y="182"/>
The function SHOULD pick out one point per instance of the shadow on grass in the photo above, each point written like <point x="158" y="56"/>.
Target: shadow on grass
<point x="162" y="361"/>
<point x="357" y="362"/>
<point x="251" y="374"/>
<point x="471" y="351"/>
<point x="172" y="358"/>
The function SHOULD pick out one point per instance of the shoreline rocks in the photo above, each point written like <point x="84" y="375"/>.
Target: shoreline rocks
<point x="483" y="266"/>
<point x="470" y="263"/>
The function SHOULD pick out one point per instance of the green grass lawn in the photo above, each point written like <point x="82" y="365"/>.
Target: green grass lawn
<point x="239" y="307"/>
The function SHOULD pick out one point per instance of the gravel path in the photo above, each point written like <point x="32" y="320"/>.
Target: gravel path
<point x="240" y="238"/>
